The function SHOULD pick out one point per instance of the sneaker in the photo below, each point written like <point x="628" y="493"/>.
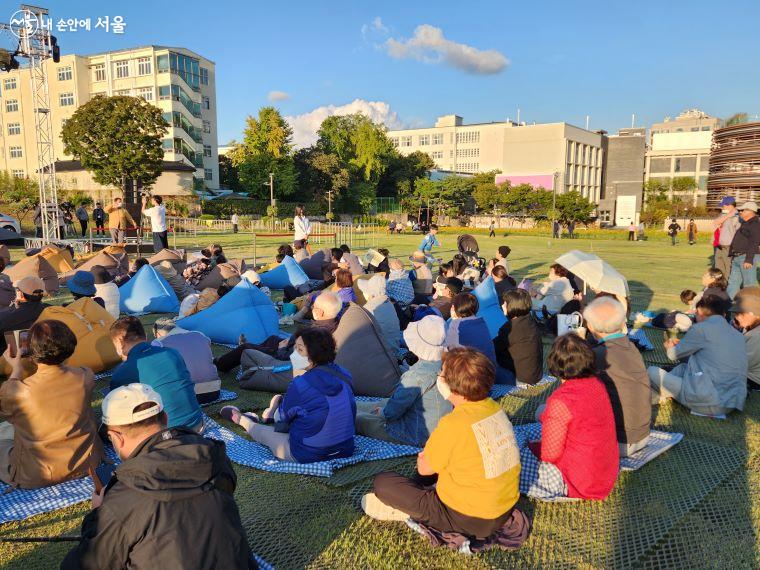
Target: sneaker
<point x="375" y="508"/>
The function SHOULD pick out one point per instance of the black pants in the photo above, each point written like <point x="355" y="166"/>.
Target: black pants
<point x="234" y="228"/>
<point x="160" y="241"/>
<point x="630" y="236"/>
<point x="415" y="498"/>
<point x="83" y="223"/>
<point x="100" y="227"/>
<point x="492" y="234"/>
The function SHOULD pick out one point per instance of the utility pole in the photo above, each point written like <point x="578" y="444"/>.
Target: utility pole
<point x="271" y="197"/>
<point x="329" y="202"/>
<point x="554" y="201"/>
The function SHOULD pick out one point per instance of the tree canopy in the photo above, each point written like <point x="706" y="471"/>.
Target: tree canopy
<point x="117" y="139"/>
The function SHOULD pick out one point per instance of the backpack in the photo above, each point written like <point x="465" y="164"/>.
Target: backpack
<point x="90" y="324"/>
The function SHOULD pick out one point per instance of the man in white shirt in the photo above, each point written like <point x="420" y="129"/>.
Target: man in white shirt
<point x="234" y="219"/>
<point x="157" y="215"/>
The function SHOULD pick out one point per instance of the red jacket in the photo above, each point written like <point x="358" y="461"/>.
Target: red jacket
<point x="578" y="436"/>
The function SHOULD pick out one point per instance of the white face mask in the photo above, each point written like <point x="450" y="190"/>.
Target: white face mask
<point x="299" y="361"/>
<point x="724" y="211"/>
<point x="443" y="388"/>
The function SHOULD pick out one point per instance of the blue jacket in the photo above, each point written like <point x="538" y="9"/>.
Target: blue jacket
<point x="428" y="242"/>
<point x="416" y="407"/>
<point x="320" y="409"/>
<point x="164" y="370"/>
<point x="471" y="332"/>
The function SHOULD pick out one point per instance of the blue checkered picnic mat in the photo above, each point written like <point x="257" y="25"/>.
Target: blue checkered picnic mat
<point x="224" y="396"/>
<point x="245" y="452"/>
<point x="105" y="374"/>
<point x="659" y="442"/>
<point x="19" y="504"/>
<point x="263" y="564"/>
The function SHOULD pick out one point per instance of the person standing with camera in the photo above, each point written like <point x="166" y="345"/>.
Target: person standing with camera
<point x="157" y="215"/>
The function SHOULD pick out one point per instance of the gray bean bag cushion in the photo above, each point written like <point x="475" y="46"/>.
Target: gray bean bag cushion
<point x="312" y="266"/>
<point x="365" y="354"/>
<point x="229" y="272"/>
<point x="181" y="287"/>
<point x="7" y="292"/>
<point x="177" y="257"/>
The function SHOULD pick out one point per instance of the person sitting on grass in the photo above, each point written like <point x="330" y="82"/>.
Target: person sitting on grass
<point x="467" y="328"/>
<point x="501" y="256"/>
<point x="468" y="473"/>
<point x="271" y="371"/>
<point x="314" y="420"/>
<point x="163" y="369"/>
<point x="415" y="408"/>
<point x="382" y="266"/>
<point x="82" y="284"/>
<point x="196" y="272"/>
<point x="555" y="292"/>
<point x="746" y="311"/>
<point x="711" y="378"/>
<point x="299" y="251"/>
<point x="380" y="307"/>
<point x="106" y="289"/>
<point x="714" y="283"/>
<point x="622" y="370"/>
<point x="169" y="504"/>
<point x="577" y="455"/>
<point x="137" y="264"/>
<point x="51" y="435"/>
<point x="344" y="286"/>
<point x="352" y="261"/>
<point x="421" y="278"/>
<point x="518" y="346"/>
<point x="502" y="282"/>
<point x="25" y="309"/>
<point x="444" y="295"/>
<point x="399" y="288"/>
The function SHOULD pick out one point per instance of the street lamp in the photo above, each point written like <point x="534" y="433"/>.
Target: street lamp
<point x="271" y="196"/>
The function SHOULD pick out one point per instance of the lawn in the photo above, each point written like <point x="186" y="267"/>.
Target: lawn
<point x="696" y="506"/>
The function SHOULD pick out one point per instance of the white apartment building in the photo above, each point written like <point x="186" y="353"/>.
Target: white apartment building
<point x="681" y="153"/>
<point x="536" y="154"/>
<point x="178" y="81"/>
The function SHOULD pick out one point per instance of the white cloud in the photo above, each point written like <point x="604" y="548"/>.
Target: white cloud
<point x="374" y="28"/>
<point x="429" y="45"/>
<point x="305" y="126"/>
<point x="275" y="96"/>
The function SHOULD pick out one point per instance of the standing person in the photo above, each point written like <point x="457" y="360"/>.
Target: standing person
<point x="641" y="236"/>
<point x="83" y="218"/>
<point x="744" y="249"/>
<point x="68" y="220"/>
<point x="673" y="231"/>
<point x="38" y="221"/>
<point x="491" y="232"/>
<point x="426" y="246"/>
<point x="555" y="229"/>
<point x="571" y="229"/>
<point x="692" y="229"/>
<point x="119" y="220"/>
<point x="727" y="223"/>
<point x="169" y="504"/>
<point x="234" y="219"/>
<point x="157" y="215"/>
<point x="302" y="227"/>
<point x="631" y="231"/>
<point x="99" y="217"/>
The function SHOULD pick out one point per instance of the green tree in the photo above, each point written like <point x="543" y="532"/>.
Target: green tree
<point x="18" y="196"/>
<point x="573" y="207"/>
<point x="117" y="139"/>
<point x="319" y="173"/>
<point x="487" y="194"/>
<point x="736" y="119"/>
<point x="228" y="174"/>
<point x="266" y="147"/>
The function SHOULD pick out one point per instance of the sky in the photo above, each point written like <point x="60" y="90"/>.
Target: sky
<point x="405" y="63"/>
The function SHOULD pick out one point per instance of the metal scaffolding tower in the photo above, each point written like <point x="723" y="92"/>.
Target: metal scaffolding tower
<point x="31" y="25"/>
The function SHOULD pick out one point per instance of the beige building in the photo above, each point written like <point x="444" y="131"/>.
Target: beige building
<point x="522" y="153"/>
<point x="181" y="83"/>
<point x="690" y="121"/>
<point x="679" y="154"/>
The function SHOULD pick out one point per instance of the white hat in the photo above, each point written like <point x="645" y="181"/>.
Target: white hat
<point x="426" y="337"/>
<point x="372" y="287"/>
<point x="119" y="405"/>
<point x="749" y="206"/>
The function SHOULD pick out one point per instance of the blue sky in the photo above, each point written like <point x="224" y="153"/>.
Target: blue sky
<point x="567" y="59"/>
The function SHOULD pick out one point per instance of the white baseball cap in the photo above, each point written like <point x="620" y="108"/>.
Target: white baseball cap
<point x="119" y="405"/>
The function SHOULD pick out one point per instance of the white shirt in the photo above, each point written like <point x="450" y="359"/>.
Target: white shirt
<point x="234" y="219"/>
<point x="302" y="227"/>
<point x="157" y="215"/>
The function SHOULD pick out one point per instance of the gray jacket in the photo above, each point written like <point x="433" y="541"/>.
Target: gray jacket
<point x="385" y="315"/>
<point x="715" y="369"/>
<point x="752" y="337"/>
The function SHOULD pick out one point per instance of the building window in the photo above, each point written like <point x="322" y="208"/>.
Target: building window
<point x="16" y="152"/>
<point x="99" y="70"/>
<point x="18" y="173"/>
<point x="424" y="140"/>
<point x="146" y="93"/>
<point x="208" y="174"/>
<point x="65" y="73"/>
<point x="207" y="127"/>
<point x="436" y="154"/>
<point x="438" y="139"/>
<point x="122" y="92"/>
<point x="705" y="128"/>
<point x="204" y="76"/>
<point x="468" y="152"/>
<point x="468" y="137"/>
<point x="468" y="167"/>
<point x="207" y="150"/>
<point x="394" y="141"/>
<point x="604" y="216"/>
<point x="66" y="99"/>
<point x="14" y="128"/>
<point x="164" y="92"/>
<point x="122" y="69"/>
<point x="9" y="84"/>
<point x="11" y="105"/>
<point x="144" y="66"/>
<point x="205" y="102"/>
<point x="405" y="141"/>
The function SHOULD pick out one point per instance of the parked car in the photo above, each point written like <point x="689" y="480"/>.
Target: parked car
<point x="10" y="223"/>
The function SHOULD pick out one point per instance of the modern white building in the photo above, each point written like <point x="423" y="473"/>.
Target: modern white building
<point x="539" y="154"/>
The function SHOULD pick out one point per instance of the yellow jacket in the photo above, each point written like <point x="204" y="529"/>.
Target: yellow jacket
<point x="119" y="218"/>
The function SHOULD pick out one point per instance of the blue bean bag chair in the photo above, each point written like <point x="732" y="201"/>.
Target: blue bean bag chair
<point x="490" y="306"/>
<point x="287" y="273"/>
<point x="244" y="310"/>
<point x="147" y="292"/>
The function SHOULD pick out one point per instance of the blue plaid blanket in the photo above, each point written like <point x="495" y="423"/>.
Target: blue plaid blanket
<point x="105" y="374"/>
<point x="245" y="452"/>
<point x="263" y="564"/>
<point x="20" y="504"/>
<point x="224" y="396"/>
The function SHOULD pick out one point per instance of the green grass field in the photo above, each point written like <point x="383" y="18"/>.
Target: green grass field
<point x="697" y="506"/>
